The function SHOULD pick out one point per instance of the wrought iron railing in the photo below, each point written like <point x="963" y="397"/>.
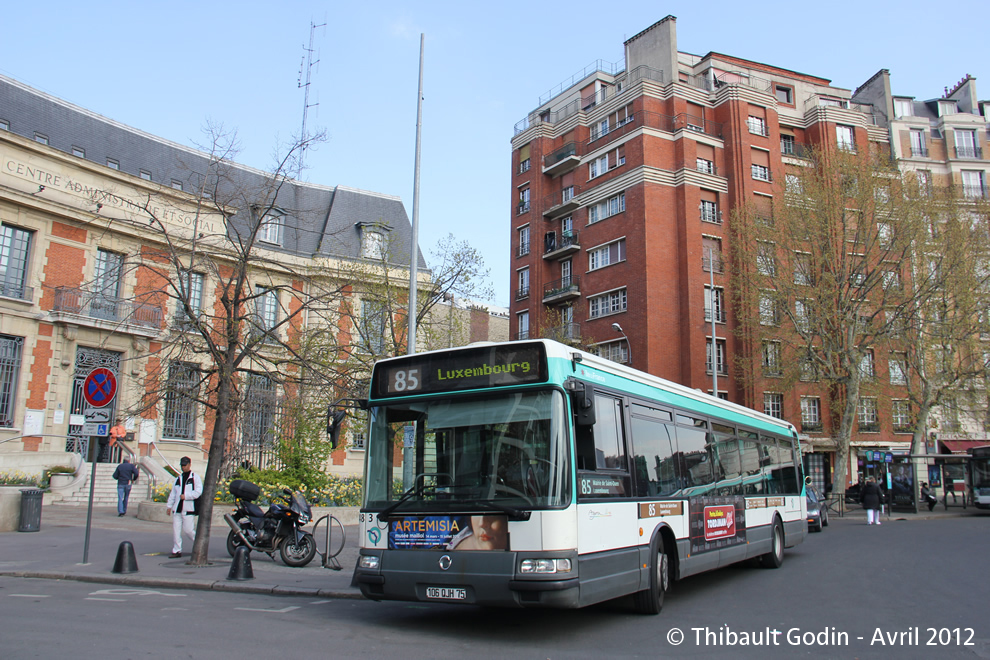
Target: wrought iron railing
<point x="969" y="152"/>
<point x="719" y="315"/>
<point x="18" y="291"/>
<point x="565" y="332"/>
<point x="553" y="242"/>
<point x="563" y="285"/>
<point x="107" y="308"/>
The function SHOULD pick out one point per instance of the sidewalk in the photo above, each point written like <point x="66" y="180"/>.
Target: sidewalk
<point x="858" y="513"/>
<point x="56" y="552"/>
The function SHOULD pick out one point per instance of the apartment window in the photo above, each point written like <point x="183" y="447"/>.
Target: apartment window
<point x="784" y="94"/>
<point x="567" y="194"/>
<point x="787" y="145"/>
<point x="715" y="301"/>
<point x="793" y="185"/>
<point x="891" y="279"/>
<point x="760" y="172"/>
<point x="705" y="165"/>
<point x="523" y="241"/>
<point x="802" y="320"/>
<point x="598" y="166"/>
<point x="808" y="369"/>
<point x="565" y="273"/>
<point x="191" y="289"/>
<point x="898" y="369"/>
<point x="867" y="415"/>
<point x="612" y="302"/>
<point x="108" y="275"/>
<point x="709" y="212"/>
<point x="524" y="162"/>
<point x="720" y="356"/>
<point x="599" y="129"/>
<point x="773" y="365"/>
<point x="947" y="108"/>
<point x="259" y="411"/>
<point x="41" y="138"/>
<point x="867" y="365"/>
<point x="113" y="164"/>
<point x="523" y="200"/>
<point x="145" y="174"/>
<point x="4" y="125"/>
<point x="10" y="369"/>
<point x="270" y="231"/>
<point x="616" y="351"/>
<point x="607" y="209"/>
<point x="179" y="421"/>
<point x="177" y="185"/>
<point x="78" y="152"/>
<point x="15" y="252"/>
<point x="766" y="261"/>
<point x="711" y="254"/>
<point x="811" y="414"/>
<point x="566" y="226"/>
<point x="924" y="180"/>
<point x="522" y="320"/>
<point x="900" y="415"/>
<point x="802" y="269"/>
<point x="757" y="125"/>
<point x="607" y="255"/>
<point x="773" y="404"/>
<point x="373" y="326"/>
<point x="966" y="145"/>
<point x="903" y="108"/>
<point x="918" y="147"/>
<point x="769" y="309"/>
<point x="265" y="311"/>
<point x="973" y="184"/>
<point x="523" y="290"/>
<point x="845" y="137"/>
<point x="524" y="166"/>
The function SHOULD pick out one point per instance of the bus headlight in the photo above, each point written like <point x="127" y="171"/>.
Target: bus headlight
<point x="545" y="566"/>
<point x="370" y="562"/>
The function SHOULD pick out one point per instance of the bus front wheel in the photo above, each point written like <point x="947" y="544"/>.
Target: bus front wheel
<point x="775" y="557"/>
<point x="650" y="600"/>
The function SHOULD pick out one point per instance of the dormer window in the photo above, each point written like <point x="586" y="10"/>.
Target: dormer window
<point x="946" y="108"/>
<point x="270" y="230"/>
<point x="373" y="245"/>
<point x="903" y="108"/>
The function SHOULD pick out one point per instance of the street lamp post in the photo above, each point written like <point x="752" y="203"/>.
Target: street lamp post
<point x="618" y="328"/>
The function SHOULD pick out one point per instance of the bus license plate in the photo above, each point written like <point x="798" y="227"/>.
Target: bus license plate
<point x="446" y="593"/>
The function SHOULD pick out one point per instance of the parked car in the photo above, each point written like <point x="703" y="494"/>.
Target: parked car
<point x="817" y="509"/>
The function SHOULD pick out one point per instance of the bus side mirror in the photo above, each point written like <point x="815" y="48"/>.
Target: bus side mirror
<point x="334" y="419"/>
<point x="583" y="401"/>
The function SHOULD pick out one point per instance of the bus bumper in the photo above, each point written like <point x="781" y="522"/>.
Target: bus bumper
<point x="471" y="577"/>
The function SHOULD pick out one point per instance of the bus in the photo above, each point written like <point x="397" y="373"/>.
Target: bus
<point x="979" y="476"/>
<point x="539" y="475"/>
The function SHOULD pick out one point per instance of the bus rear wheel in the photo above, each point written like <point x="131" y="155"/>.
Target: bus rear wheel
<point x="650" y="600"/>
<point x="775" y="557"/>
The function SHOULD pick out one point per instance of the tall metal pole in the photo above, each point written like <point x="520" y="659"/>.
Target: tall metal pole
<point x="409" y="443"/>
<point x="414" y="248"/>
<point x="711" y="295"/>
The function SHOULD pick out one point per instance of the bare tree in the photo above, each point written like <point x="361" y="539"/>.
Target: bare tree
<point x="824" y="274"/>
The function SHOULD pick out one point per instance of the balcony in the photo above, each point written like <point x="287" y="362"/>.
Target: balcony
<point x="522" y="293"/>
<point x="556" y="246"/>
<point x="561" y="203"/>
<point x="561" y="290"/>
<point x="869" y="427"/>
<point x="811" y="427"/>
<point x="969" y="152"/>
<point x="561" y="161"/>
<point x="919" y="152"/>
<point x="523" y="207"/>
<point x="566" y="333"/>
<point x="99" y="310"/>
<point x="794" y="149"/>
<point x="16" y="291"/>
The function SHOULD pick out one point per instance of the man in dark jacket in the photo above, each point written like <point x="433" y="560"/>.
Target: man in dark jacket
<point x="125" y="474"/>
<point x="872" y="497"/>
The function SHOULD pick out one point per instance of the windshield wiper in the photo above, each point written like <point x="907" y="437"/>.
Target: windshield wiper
<point x="512" y="512"/>
<point x="387" y="511"/>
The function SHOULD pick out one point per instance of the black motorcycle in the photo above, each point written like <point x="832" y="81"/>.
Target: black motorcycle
<point x="277" y="530"/>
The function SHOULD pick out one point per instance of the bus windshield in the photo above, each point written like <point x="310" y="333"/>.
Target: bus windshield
<point x="507" y="451"/>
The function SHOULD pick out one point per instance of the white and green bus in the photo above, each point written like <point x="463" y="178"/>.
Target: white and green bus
<point x="538" y="475"/>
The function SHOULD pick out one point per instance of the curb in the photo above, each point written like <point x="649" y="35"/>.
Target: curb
<point x="179" y="583"/>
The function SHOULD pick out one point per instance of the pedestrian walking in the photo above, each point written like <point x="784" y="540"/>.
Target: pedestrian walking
<point x="927" y="497"/>
<point x="117" y="432"/>
<point x="183" y="505"/>
<point x="125" y="474"/>
<point x="872" y="498"/>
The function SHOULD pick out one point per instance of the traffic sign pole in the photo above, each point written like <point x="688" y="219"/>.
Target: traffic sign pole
<point x="99" y="390"/>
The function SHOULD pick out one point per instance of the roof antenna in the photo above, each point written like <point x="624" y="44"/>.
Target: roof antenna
<point x="306" y="66"/>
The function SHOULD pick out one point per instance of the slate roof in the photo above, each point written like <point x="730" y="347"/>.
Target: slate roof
<point x="320" y="220"/>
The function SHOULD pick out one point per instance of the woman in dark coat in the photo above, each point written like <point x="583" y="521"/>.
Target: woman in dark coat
<point x="871" y="496"/>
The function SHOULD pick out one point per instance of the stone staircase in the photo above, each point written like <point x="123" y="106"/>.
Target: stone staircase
<point x="105" y="488"/>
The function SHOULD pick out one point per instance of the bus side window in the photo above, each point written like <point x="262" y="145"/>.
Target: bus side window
<point x="610" y="451"/>
<point x="788" y="465"/>
<point x="653" y="457"/>
<point x="694" y="467"/>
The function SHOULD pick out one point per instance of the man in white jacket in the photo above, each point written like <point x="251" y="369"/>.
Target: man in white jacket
<point x="181" y="505"/>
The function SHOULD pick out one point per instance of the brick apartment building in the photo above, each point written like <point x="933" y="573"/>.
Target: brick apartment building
<point x="623" y="181"/>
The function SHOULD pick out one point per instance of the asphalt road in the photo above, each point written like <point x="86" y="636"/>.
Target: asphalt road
<point x="919" y="586"/>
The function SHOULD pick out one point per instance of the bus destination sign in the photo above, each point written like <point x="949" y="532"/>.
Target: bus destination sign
<point x="449" y="371"/>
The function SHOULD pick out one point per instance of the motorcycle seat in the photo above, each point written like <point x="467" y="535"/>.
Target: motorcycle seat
<point x="253" y="510"/>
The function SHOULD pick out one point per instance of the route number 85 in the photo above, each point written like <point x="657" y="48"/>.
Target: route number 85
<point x="405" y="380"/>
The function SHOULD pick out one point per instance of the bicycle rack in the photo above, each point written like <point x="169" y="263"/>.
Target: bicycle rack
<point x="330" y="560"/>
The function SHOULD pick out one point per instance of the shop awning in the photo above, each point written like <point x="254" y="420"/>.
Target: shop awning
<point x="962" y="446"/>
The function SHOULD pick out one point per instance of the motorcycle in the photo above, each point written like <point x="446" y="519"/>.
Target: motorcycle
<point x="277" y="530"/>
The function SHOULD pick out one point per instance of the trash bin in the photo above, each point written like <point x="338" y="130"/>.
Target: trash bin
<point x="30" y="510"/>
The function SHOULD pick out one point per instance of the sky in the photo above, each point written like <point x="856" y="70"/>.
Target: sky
<point x="169" y="68"/>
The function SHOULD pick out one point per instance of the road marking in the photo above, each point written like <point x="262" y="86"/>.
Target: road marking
<point x="321" y="602"/>
<point x="30" y="595"/>
<point x="258" y="609"/>
<point x="182" y="609"/>
<point x="115" y="600"/>
<point x="133" y="592"/>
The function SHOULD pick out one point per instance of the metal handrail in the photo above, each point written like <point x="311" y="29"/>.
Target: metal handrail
<point x="154" y="444"/>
